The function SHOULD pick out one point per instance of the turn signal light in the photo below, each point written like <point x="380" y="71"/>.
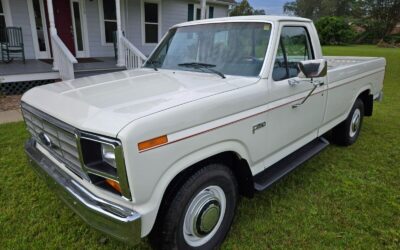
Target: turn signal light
<point x="152" y="142"/>
<point x="114" y="184"/>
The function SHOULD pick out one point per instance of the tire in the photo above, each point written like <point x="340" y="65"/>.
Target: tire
<point x="211" y="189"/>
<point x="346" y="133"/>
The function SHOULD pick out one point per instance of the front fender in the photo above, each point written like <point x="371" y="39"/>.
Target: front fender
<point x="149" y="210"/>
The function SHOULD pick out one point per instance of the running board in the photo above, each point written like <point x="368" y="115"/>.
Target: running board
<point x="272" y="174"/>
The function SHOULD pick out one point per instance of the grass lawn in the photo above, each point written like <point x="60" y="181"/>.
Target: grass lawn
<point x="343" y="198"/>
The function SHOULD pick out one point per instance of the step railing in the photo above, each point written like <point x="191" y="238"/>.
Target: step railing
<point x="133" y="58"/>
<point x="63" y="58"/>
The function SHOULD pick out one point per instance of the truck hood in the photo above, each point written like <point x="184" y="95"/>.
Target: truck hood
<point x="104" y="104"/>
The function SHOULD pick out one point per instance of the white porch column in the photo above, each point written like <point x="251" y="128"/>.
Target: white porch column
<point x="203" y="9"/>
<point x="120" y="56"/>
<point x="53" y="30"/>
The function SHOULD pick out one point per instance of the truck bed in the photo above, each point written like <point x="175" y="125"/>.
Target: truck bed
<point x="345" y="68"/>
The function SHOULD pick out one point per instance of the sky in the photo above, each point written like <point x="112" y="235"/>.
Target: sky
<point x="272" y="7"/>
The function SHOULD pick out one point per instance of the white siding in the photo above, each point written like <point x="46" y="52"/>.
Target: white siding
<point x="133" y="28"/>
<point x="94" y="35"/>
<point x="20" y="18"/>
<point x="173" y="12"/>
<point x="220" y="11"/>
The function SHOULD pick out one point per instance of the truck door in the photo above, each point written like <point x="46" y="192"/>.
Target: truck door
<point x="291" y="127"/>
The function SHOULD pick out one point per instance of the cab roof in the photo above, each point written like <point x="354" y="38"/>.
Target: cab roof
<point x="263" y="18"/>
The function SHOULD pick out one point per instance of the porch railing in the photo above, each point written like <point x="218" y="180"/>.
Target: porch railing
<point x="132" y="56"/>
<point x="63" y="58"/>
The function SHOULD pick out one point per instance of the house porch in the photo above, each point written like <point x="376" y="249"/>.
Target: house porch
<point x="117" y="33"/>
<point x="16" y="77"/>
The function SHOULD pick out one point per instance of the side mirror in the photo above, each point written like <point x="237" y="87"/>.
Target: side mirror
<point x="313" y="68"/>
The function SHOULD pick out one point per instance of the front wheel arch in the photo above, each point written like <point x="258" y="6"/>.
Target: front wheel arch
<point x="168" y="233"/>
<point x="239" y="166"/>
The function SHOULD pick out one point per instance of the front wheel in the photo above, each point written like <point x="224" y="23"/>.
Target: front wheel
<point x="347" y="132"/>
<point x="202" y="211"/>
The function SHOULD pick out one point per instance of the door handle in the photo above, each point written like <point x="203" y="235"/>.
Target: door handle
<point x="316" y="85"/>
<point x="294" y="82"/>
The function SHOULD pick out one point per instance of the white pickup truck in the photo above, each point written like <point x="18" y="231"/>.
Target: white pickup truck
<point x="222" y="108"/>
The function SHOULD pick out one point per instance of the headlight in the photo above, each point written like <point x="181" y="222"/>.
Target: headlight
<point x="103" y="162"/>
<point x="108" y="154"/>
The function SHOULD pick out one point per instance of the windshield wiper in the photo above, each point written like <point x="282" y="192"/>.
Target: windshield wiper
<point x="207" y="66"/>
<point x="153" y="64"/>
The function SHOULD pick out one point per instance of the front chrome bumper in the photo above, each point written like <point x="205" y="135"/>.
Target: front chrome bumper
<point x="120" y="222"/>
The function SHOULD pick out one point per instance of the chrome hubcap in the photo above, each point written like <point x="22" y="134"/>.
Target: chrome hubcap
<point x="204" y="216"/>
<point x="208" y="218"/>
<point x="355" y="122"/>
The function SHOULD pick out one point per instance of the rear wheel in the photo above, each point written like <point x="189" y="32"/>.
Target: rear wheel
<point x="347" y="132"/>
<point x="202" y="211"/>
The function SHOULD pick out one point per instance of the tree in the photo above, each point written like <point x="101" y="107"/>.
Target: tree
<point x="334" y="31"/>
<point x="304" y="8"/>
<point x="385" y="14"/>
<point x="245" y="9"/>
<point x="259" y="12"/>
<point x="315" y="9"/>
<point x="378" y="17"/>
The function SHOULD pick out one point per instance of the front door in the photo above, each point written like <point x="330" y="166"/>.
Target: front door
<point x="63" y="20"/>
<point x="79" y="28"/>
<point x="37" y="14"/>
<point x="292" y="126"/>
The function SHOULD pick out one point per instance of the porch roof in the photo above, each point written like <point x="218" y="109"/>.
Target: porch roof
<point x="224" y="1"/>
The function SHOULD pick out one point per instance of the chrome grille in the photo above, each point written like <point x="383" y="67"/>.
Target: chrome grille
<point x="63" y="141"/>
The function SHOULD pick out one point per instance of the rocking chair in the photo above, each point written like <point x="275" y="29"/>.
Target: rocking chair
<point x="12" y="45"/>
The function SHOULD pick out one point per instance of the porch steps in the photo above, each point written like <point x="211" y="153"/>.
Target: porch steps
<point x="102" y="66"/>
<point x="85" y="73"/>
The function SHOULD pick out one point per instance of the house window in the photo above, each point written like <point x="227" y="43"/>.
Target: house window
<point x="2" y="17"/>
<point x="40" y="26"/>
<point x="2" y="23"/>
<point x="109" y="20"/>
<point x="194" y="12"/>
<point x="211" y="12"/>
<point x="151" y="22"/>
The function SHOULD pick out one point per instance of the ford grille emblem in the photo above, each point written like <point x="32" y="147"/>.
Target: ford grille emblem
<point x="45" y="139"/>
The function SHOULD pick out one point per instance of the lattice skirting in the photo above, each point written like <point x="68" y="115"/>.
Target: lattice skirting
<point x="18" y="88"/>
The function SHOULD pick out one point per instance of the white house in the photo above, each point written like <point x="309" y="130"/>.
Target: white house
<point x="69" y="31"/>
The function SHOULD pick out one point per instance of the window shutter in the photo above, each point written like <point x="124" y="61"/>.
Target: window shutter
<point x="211" y="12"/>
<point x="190" y="12"/>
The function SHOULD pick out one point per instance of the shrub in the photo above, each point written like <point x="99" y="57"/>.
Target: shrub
<point x="334" y="31"/>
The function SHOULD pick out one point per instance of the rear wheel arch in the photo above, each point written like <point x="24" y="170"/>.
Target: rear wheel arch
<point x="368" y="99"/>
<point x="347" y="132"/>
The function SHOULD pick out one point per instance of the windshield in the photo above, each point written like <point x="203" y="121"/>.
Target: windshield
<point x="227" y="48"/>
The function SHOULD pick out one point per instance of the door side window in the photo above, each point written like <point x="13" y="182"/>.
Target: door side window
<point x="294" y="46"/>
